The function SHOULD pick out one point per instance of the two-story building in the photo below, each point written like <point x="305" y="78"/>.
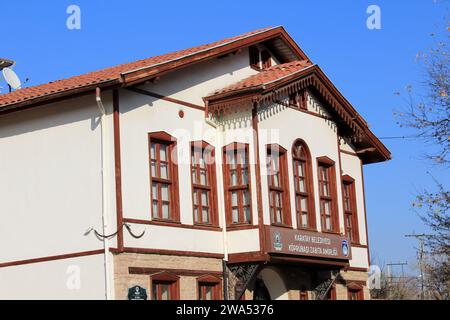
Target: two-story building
<point x="231" y="170"/>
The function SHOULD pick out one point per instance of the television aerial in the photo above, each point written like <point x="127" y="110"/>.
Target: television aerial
<point x="10" y="76"/>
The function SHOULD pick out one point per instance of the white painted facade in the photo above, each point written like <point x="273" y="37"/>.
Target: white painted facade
<point x="51" y="173"/>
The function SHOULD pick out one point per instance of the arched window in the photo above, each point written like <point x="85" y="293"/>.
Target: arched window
<point x="304" y="198"/>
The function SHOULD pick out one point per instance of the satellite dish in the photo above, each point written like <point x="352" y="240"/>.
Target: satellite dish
<point x="11" y="78"/>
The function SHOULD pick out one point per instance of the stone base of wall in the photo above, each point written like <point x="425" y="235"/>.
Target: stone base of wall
<point x="131" y="269"/>
<point x="187" y="268"/>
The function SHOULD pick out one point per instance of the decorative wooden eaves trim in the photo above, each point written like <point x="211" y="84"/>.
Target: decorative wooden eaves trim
<point x="311" y="76"/>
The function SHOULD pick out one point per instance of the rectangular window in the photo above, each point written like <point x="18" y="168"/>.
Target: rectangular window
<point x="350" y="214"/>
<point x="278" y="186"/>
<point x="255" y="60"/>
<point x="327" y="194"/>
<point x="237" y="184"/>
<point x="161" y="181"/>
<point x="355" y="294"/>
<point x="203" y="184"/>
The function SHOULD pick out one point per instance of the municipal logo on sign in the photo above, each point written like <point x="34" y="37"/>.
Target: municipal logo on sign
<point x="345" y="248"/>
<point x="277" y="245"/>
<point x="137" y="293"/>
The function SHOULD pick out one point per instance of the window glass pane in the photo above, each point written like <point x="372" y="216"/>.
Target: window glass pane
<point x="327" y="223"/>
<point x="301" y="169"/>
<point x="155" y="191"/>
<point x="279" y="216"/>
<point x="155" y="209"/>
<point x="203" y="178"/>
<point x="194" y="176"/>
<point x="164" y="171"/>
<point x="208" y="293"/>
<point x="205" y="215"/>
<point x="244" y="175"/>
<point x="153" y="151"/>
<point x="304" y="219"/>
<point x="195" y="197"/>
<point x="327" y="208"/>
<point x="246" y="197"/>
<point x="234" y="198"/>
<point x="235" y="215"/>
<point x="304" y="204"/>
<point x="196" y="214"/>
<point x="162" y="152"/>
<point x="165" y="294"/>
<point x="301" y="185"/>
<point x="153" y="168"/>
<point x="155" y="291"/>
<point x="247" y="214"/>
<point x="205" y="198"/>
<point x="165" y="192"/>
<point x="277" y="199"/>
<point x="233" y="178"/>
<point x="165" y="211"/>
<point x="326" y="189"/>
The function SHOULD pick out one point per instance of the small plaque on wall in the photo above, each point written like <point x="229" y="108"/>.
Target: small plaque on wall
<point x="137" y="293"/>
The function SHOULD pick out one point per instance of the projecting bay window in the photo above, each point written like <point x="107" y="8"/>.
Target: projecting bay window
<point x="304" y="199"/>
<point x="203" y="183"/>
<point x="237" y="184"/>
<point x="350" y="213"/>
<point x="278" y="185"/>
<point x="327" y="192"/>
<point x="163" y="177"/>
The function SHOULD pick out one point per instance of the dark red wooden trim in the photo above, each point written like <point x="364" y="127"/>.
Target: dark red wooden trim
<point x="165" y="98"/>
<point x="178" y="272"/>
<point x="162" y="137"/>
<point x="173" y="252"/>
<point x="259" y="202"/>
<point x="365" y="213"/>
<point x="51" y="258"/>
<point x="237" y="227"/>
<point x="118" y="169"/>
<point x="244" y="257"/>
<point x="174" y="224"/>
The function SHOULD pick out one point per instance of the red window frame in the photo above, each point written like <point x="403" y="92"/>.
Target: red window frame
<point x="278" y="185"/>
<point x="165" y="279"/>
<point x="242" y="188"/>
<point x="211" y="283"/>
<point x="327" y="181"/>
<point x="159" y="181"/>
<point x="350" y="211"/>
<point x="303" y="160"/>
<point x="203" y="165"/>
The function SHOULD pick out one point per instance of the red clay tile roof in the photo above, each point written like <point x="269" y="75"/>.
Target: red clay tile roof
<point x="108" y="74"/>
<point x="266" y="76"/>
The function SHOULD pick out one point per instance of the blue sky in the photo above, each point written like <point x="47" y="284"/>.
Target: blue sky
<point x="368" y="66"/>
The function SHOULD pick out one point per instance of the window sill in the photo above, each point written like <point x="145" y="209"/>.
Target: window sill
<point x="281" y="225"/>
<point x="173" y="224"/>
<point x="236" y="227"/>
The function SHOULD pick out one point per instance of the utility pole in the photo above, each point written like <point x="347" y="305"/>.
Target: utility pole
<point x="421" y="260"/>
<point x="390" y="276"/>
